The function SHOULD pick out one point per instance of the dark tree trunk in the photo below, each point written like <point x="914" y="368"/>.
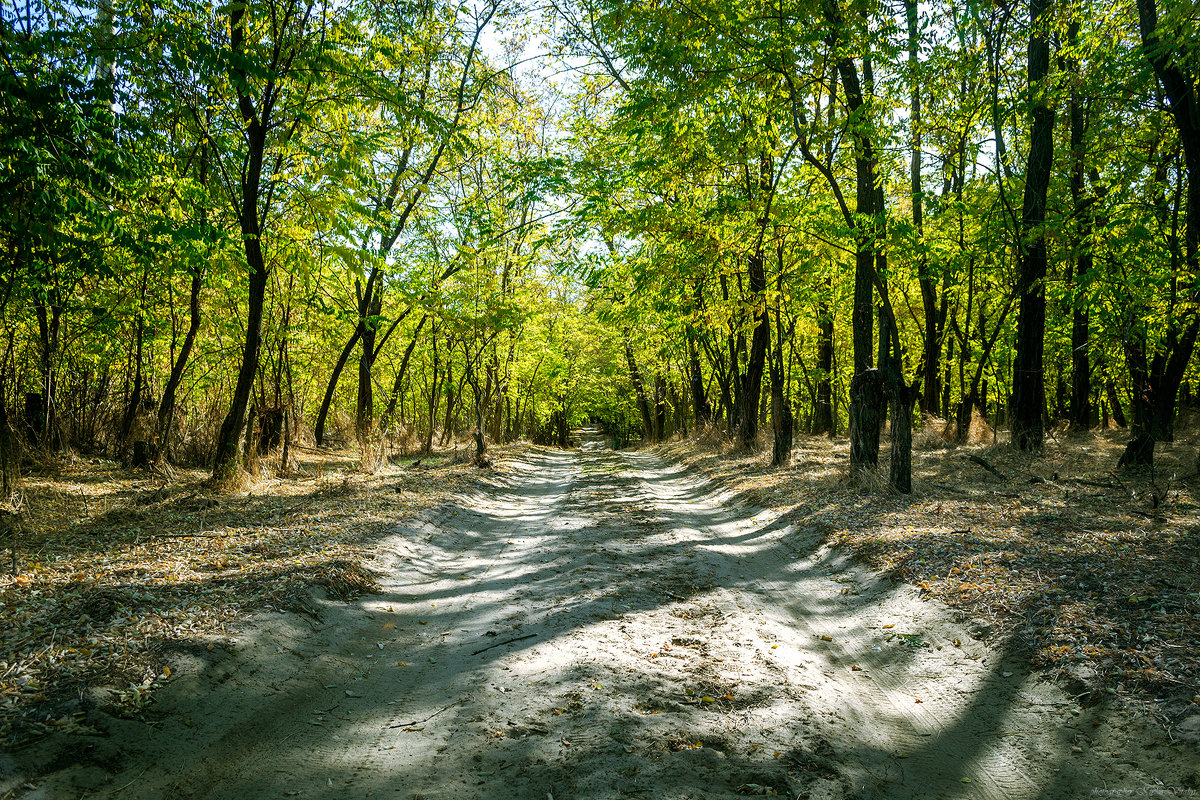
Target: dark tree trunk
<point x="1081" y="369"/>
<point x="639" y="389"/>
<point x="8" y="473"/>
<point x="782" y="421"/>
<point x="865" y="386"/>
<point x="1029" y="392"/>
<point x="660" y="409"/>
<point x="866" y="404"/>
<point x="398" y="383"/>
<point x="258" y="123"/>
<point x="234" y="425"/>
<point x="331" y="387"/>
<point x="928" y="283"/>
<point x="364" y="409"/>
<point x="433" y="393"/>
<point x="1114" y="402"/>
<point x="823" y="421"/>
<point x="1169" y="365"/>
<point x="135" y="397"/>
<point x="700" y="405"/>
<point x="49" y="317"/>
<point x="902" y="398"/>
<point x="166" y="409"/>
<point x="751" y="379"/>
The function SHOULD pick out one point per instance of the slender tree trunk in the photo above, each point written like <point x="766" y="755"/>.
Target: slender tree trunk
<point x="1081" y="369"/>
<point x="257" y="124"/>
<point x="8" y="472"/>
<point x="364" y="410"/>
<point x="1029" y="390"/>
<point x="160" y="448"/>
<point x="927" y="281"/>
<point x="433" y="393"/>
<point x="866" y="394"/>
<point x="1169" y="59"/>
<point x="331" y="387"/>
<point x="700" y="405"/>
<point x="1114" y="403"/>
<point x="783" y="424"/>
<point x="398" y="383"/>
<point x="639" y="389"/>
<point x="751" y="379"/>
<point x="823" y="421"/>
<point x="135" y="396"/>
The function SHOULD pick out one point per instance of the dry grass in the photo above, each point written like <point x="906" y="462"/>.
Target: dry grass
<point x="115" y="565"/>
<point x="1095" y="570"/>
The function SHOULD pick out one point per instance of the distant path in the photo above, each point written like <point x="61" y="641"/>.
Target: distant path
<point x="599" y="626"/>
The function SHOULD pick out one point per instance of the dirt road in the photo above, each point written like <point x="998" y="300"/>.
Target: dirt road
<point x="599" y="625"/>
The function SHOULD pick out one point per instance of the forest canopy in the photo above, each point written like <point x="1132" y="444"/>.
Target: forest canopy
<point x="228" y="228"/>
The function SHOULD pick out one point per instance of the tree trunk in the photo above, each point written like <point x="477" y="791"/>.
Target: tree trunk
<point x="364" y="408"/>
<point x="823" y="421"/>
<point x="225" y="464"/>
<point x="929" y="299"/>
<point x="1029" y="391"/>
<point x="398" y="383"/>
<point x="751" y="379"/>
<point x="865" y="386"/>
<point x="1114" y="402"/>
<point x="331" y="387"/>
<point x="433" y="393"/>
<point x="639" y="389"/>
<point x="1081" y="369"/>
<point x="782" y="421"/>
<point x="1166" y="58"/>
<point x="8" y="472"/>
<point x="866" y="403"/>
<point x="233" y="427"/>
<point x="660" y="409"/>
<point x="166" y="409"/>
<point x="135" y="397"/>
<point x="902" y="398"/>
<point x="700" y="405"/>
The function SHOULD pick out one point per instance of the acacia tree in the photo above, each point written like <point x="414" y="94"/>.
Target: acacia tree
<point x="420" y="88"/>
<point x="271" y="55"/>
<point x="1156" y="377"/>
<point x="1029" y="400"/>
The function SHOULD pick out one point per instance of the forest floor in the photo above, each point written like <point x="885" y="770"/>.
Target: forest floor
<point x="589" y="623"/>
<point x="1094" y="571"/>
<point x="105" y="570"/>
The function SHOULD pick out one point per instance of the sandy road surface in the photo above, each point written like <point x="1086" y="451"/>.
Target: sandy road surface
<point x="599" y="625"/>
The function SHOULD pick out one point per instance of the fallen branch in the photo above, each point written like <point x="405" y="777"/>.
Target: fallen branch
<point x="983" y="463"/>
<point x="423" y="721"/>
<point x="506" y="641"/>
<point x="1098" y="484"/>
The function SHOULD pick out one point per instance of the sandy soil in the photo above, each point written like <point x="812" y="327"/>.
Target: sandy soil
<point x="597" y="624"/>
